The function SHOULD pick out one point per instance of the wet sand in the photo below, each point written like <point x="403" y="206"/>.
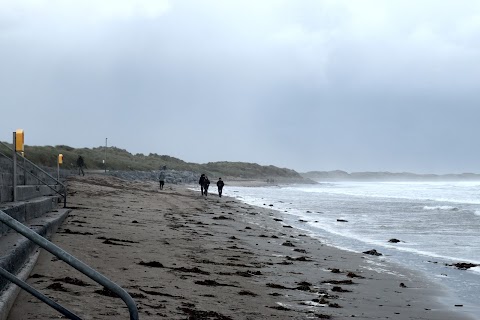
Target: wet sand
<point x="184" y="256"/>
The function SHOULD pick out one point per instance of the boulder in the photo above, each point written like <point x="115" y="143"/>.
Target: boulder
<point x="373" y="252"/>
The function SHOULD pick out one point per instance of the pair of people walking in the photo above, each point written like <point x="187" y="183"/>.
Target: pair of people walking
<point x="204" y="183"/>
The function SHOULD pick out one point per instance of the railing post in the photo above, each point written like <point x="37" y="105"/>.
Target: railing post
<point x="14" y="167"/>
<point x="24" y="171"/>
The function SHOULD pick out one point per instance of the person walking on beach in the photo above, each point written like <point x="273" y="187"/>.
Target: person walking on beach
<point x="201" y="182"/>
<point x="206" y="184"/>
<point x="220" y="185"/>
<point x="80" y="165"/>
<point x="162" y="179"/>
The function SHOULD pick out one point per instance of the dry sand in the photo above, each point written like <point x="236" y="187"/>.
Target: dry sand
<point x="215" y="258"/>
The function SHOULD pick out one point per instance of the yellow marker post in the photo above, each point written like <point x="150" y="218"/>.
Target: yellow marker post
<point x="19" y="140"/>
<point x="18" y="144"/>
<point x="59" y="162"/>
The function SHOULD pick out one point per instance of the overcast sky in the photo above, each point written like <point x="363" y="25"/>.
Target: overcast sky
<point x="357" y="85"/>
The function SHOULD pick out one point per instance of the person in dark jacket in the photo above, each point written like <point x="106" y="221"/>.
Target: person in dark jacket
<point x="220" y="185"/>
<point x="162" y="179"/>
<point x="206" y="184"/>
<point x="80" y="165"/>
<point x="201" y="182"/>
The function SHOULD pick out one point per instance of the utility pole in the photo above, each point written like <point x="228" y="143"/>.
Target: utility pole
<point x="105" y="155"/>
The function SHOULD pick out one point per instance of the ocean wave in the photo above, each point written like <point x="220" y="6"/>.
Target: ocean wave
<point x="381" y="190"/>
<point x="448" y="208"/>
<point x="477" y="212"/>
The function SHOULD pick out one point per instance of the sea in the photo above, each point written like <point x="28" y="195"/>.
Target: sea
<point x="437" y="223"/>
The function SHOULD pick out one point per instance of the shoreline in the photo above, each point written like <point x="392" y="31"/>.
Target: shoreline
<point x="220" y="258"/>
<point x="459" y="285"/>
<point x="438" y="292"/>
<point x="445" y="295"/>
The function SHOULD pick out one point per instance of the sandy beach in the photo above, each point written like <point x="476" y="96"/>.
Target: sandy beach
<point x="184" y="256"/>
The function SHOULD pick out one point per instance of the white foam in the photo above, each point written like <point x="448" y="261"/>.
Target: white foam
<point x="475" y="269"/>
<point x="477" y="212"/>
<point x="448" y="208"/>
<point x="458" y="192"/>
<point x="313" y="304"/>
<point x="383" y="270"/>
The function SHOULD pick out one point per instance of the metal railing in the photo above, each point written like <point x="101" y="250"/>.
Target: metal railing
<point x="25" y="286"/>
<point x="63" y="195"/>
<point x="72" y="261"/>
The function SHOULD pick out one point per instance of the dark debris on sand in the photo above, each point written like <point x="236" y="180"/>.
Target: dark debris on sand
<point x="107" y="293"/>
<point x="156" y="293"/>
<point x="339" y="281"/>
<point x="117" y="240"/>
<point x="57" y="287"/>
<point x="213" y="283"/>
<point x="248" y="273"/>
<point x="152" y="264"/>
<point x="203" y="315"/>
<point x="192" y="270"/>
<point x="298" y="258"/>
<point x="354" y="275"/>
<point x="463" y="265"/>
<point x="304" y="286"/>
<point x="73" y="281"/>
<point x="277" y="286"/>
<point x="373" y="252"/>
<point x="247" y="293"/>
<point x="281" y="308"/>
<point x="114" y="243"/>
<point x="222" y="218"/>
<point x="68" y="231"/>
<point x="339" y="289"/>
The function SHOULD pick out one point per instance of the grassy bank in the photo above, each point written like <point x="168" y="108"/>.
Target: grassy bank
<point x="120" y="159"/>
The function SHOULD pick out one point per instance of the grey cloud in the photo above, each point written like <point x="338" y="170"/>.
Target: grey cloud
<point x="296" y="86"/>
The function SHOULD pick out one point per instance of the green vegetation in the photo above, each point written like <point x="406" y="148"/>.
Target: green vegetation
<point x="120" y="159"/>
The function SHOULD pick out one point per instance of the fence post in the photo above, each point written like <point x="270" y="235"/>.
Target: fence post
<point x="14" y="167"/>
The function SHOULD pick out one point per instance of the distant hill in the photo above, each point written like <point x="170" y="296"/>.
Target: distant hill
<point x="339" y="175"/>
<point x="120" y="159"/>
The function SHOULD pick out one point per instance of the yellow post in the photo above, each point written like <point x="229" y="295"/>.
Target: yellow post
<point x="19" y="140"/>
<point x="59" y="162"/>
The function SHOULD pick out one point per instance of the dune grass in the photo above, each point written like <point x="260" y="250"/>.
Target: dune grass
<point x="120" y="159"/>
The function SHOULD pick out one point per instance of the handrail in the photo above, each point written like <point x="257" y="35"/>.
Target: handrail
<point x="71" y="260"/>
<point x="25" y="286"/>
<point x="64" y="196"/>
